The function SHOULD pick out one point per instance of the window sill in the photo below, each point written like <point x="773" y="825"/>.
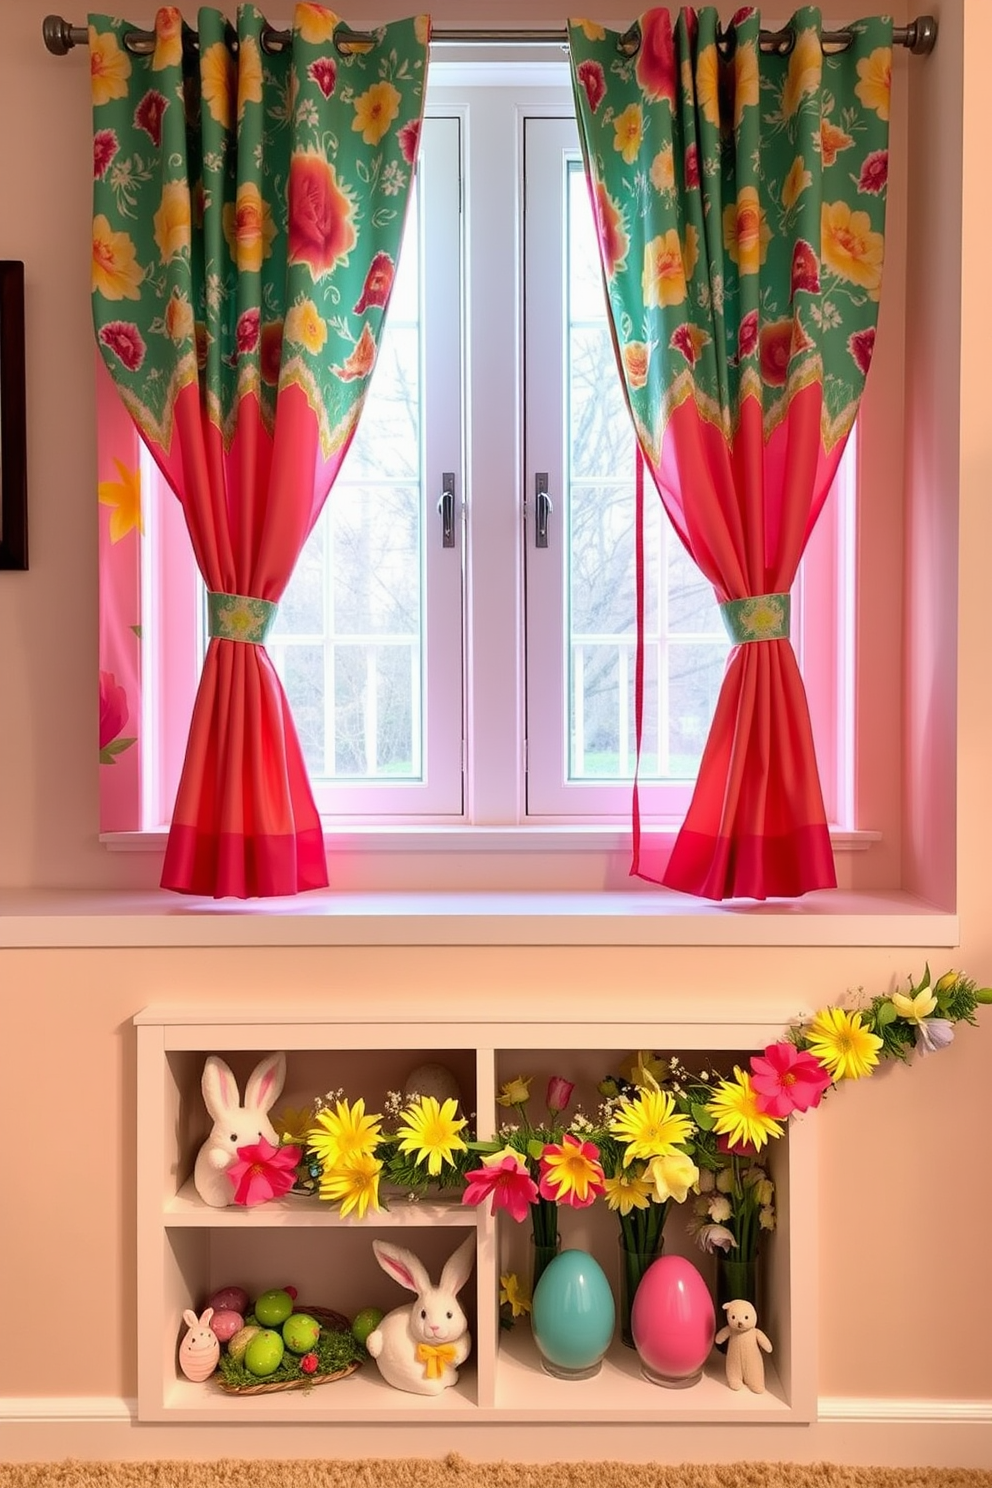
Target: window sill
<point x="59" y="918"/>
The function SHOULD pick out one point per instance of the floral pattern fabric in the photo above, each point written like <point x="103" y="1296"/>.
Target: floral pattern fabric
<point x="739" y="198"/>
<point x="248" y="206"/>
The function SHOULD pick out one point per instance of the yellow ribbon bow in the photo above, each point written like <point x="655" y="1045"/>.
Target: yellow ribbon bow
<point x="436" y="1356"/>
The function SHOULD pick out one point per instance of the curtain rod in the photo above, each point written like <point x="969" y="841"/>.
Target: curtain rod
<point x="920" y="36"/>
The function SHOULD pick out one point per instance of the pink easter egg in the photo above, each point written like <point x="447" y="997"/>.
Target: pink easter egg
<point x="226" y="1323"/>
<point x="673" y="1322"/>
<point x="229" y="1298"/>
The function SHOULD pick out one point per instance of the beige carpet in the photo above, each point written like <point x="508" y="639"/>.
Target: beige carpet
<point x="458" y="1472"/>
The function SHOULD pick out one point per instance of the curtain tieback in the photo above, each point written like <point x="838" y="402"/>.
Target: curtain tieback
<point x="762" y="617"/>
<point x="236" y="617"/>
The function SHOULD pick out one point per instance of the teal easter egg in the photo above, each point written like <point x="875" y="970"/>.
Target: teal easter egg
<point x="300" y="1332"/>
<point x="273" y="1308"/>
<point x="264" y="1353"/>
<point x="572" y="1314"/>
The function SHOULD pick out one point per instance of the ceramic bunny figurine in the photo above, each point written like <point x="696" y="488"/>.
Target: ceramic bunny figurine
<point x="235" y="1125"/>
<point x="200" y="1348"/>
<point x="419" y="1347"/>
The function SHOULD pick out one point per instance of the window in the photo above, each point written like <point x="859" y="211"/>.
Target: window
<point x="476" y="676"/>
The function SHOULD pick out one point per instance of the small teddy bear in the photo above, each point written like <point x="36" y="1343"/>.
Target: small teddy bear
<point x="744" y="1340"/>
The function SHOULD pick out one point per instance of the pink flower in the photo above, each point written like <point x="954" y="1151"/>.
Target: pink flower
<point x="125" y="341"/>
<point x="655" y="68"/>
<point x="805" y="268"/>
<point x="378" y="283"/>
<point x="559" y="1094"/>
<point x="692" y="166"/>
<point x="324" y="73"/>
<point x="113" y="708"/>
<point x="261" y="1171"/>
<point x="104" y="149"/>
<point x="507" y="1182"/>
<point x="786" y="1079"/>
<point x="246" y="331"/>
<point x="571" y="1172"/>
<point x="590" y="75"/>
<point x="861" y="345"/>
<point x="409" y="139"/>
<point x="747" y="335"/>
<point x="875" y="172"/>
<point x="148" y="115"/>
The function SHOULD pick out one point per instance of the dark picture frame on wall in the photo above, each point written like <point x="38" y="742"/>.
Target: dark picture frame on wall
<point x="13" y="419"/>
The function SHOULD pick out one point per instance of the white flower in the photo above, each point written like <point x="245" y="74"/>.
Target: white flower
<point x="720" y="1208"/>
<point x="725" y="1180"/>
<point x="764" y="1192"/>
<point x="706" y="1180"/>
<point x="766" y="1218"/>
<point x="715" y="1237"/>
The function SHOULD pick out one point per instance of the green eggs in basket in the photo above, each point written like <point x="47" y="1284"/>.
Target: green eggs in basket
<point x="264" y="1352"/>
<point x="273" y="1308"/>
<point x="300" y="1332"/>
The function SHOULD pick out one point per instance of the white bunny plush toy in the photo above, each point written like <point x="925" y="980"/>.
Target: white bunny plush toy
<point x="235" y="1125"/>
<point x="419" y="1347"/>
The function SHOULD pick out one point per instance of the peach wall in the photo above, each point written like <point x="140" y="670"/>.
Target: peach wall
<point x="906" y="1201"/>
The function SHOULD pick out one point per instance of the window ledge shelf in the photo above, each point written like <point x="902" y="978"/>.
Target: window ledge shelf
<point x="55" y="918"/>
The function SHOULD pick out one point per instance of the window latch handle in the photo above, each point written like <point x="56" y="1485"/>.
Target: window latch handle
<point x="446" y="509"/>
<point x="543" y="508"/>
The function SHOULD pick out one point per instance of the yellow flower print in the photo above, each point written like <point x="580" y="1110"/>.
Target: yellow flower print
<point x="875" y="86"/>
<point x="628" y="130"/>
<point x="850" y="248"/>
<point x="688" y="87"/>
<point x="249" y="228"/>
<point x="591" y="31"/>
<point x="708" y="83"/>
<point x="636" y="358"/>
<point x="375" y="110"/>
<point x="805" y="71"/>
<point x="422" y="29"/>
<point x="172" y="220"/>
<point x="249" y="75"/>
<point x="745" y="72"/>
<point x="116" y="271"/>
<point x="305" y="326"/>
<point x="795" y="183"/>
<point x="178" y="317"/>
<point x="662" y="172"/>
<point x="110" y="67"/>
<point x="832" y="141"/>
<point x="668" y="266"/>
<point x="217" y="82"/>
<point x="746" y="233"/>
<point x="124" y="496"/>
<point x="314" y="23"/>
<point x="168" y="39"/>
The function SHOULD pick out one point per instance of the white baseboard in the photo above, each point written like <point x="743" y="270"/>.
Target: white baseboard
<point x="900" y="1411"/>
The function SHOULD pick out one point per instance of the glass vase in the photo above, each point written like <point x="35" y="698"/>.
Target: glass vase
<point x="736" y="1279"/>
<point x="633" y="1264"/>
<point x="541" y="1256"/>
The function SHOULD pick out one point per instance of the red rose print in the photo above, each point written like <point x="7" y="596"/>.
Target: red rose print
<point x="124" y="340"/>
<point x="246" y="331"/>
<point x="271" y="352"/>
<point x="747" y="335"/>
<point x="692" y="167"/>
<point x="776" y="348"/>
<point x="325" y="74"/>
<point x="590" y="75"/>
<point x="113" y="708"/>
<point x="148" y="115"/>
<point x="321" y="227"/>
<point x="655" y="69"/>
<point x="409" y="139"/>
<point x="862" y="346"/>
<point x="805" y="269"/>
<point x="378" y="283"/>
<point x="875" y="172"/>
<point x="104" y="149"/>
<point x="682" y="340"/>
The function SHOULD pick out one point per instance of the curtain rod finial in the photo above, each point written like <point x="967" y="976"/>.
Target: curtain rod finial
<point x="922" y="35"/>
<point x="58" y="34"/>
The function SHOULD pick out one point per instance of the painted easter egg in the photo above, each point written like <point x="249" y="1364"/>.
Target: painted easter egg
<point x="572" y="1315"/>
<point x="300" y="1332"/>
<point x="237" y="1345"/>
<point x="673" y="1321"/>
<point x="229" y="1299"/>
<point x="226" y="1323"/>
<point x="273" y="1308"/>
<point x="264" y="1353"/>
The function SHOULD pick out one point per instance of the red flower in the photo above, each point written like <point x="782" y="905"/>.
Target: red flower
<point x="113" y="708"/>
<point x="735" y="1149"/>
<point x="309" y="1363"/>
<point x="324" y="73"/>
<point x="747" y="335"/>
<point x="862" y="348"/>
<point x="559" y="1094"/>
<point x="261" y="1171"/>
<point x="271" y="352"/>
<point x="590" y="75"/>
<point x="104" y="149"/>
<point x="409" y="139"/>
<point x="692" y="166"/>
<point x="246" y="331"/>
<point x="612" y="234"/>
<point x="875" y="172"/>
<point x="689" y="344"/>
<point x="148" y="115"/>
<point x="786" y="1079"/>
<point x="805" y="268"/>
<point x="125" y="341"/>
<point x="378" y="283"/>
<point x="321" y="226"/>
<point x="775" y="342"/>
<point x="507" y="1182"/>
<point x="655" y="69"/>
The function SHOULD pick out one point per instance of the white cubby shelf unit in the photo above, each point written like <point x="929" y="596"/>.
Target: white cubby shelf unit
<point x="186" y="1249"/>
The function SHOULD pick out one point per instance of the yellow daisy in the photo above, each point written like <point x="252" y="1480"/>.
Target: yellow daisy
<point x="430" y="1130"/>
<point x="343" y="1134"/>
<point x="842" y="1044"/>
<point x="355" y="1184"/>
<point x="628" y="1191"/>
<point x="649" y="1125"/>
<point x="735" y="1113"/>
